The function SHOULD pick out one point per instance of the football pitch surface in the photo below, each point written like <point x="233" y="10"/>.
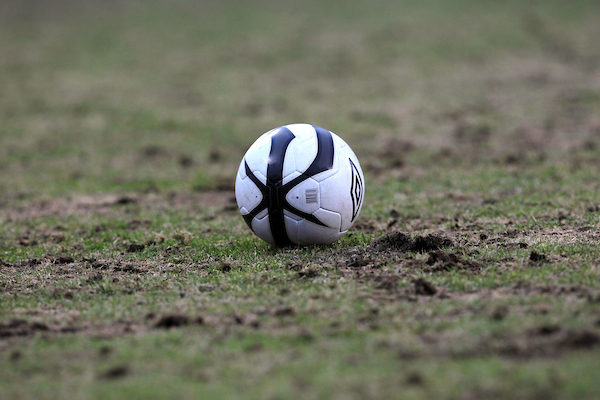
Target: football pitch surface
<point x="127" y="271"/>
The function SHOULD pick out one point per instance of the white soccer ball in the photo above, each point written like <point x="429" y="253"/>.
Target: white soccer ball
<point x="299" y="184"/>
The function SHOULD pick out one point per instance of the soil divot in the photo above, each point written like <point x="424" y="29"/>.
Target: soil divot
<point x="129" y="268"/>
<point x="389" y="283"/>
<point x="284" y="311"/>
<point x="308" y="273"/>
<point x="397" y="241"/>
<point x="581" y="340"/>
<point x="442" y="261"/>
<point x="134" y="248"/>
<point x="403" y="242"/>
<point x="546" y="330"/>
<point x="423" y="244"/>
<point x="424" y="287"/>
<point x="115" y="372"/>
<point x="536" y="257"/>
<point x="60" y="260"/>
<point x="172" y="321"/>
<point x="19" y="327"/>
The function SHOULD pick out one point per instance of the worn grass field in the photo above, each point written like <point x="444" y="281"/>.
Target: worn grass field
<point x="126" y="270"/>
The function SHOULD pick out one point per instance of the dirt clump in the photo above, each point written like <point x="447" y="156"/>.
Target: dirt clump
<point x="284" y="311"/>
<point x="172" y="321"/>
<point x="536" y="257"/>
<point x="403" y="242"/>
<point x="135" y="248"/>
<point x="123" y="200"/>
<point x="446" y="258"/>
<point x="357" y="262"/>
<point x="15" y="356"/>
<point x="30" y="262"/>
<point x="99" y="265"/>
<point x="430" y="242"/>
<point x="129" y="268"/>
<point x="442" y="261"/>
<point x="424" y="287"/>
<point x="398" y="241"/>
<point x="387" y="282"/>
<point x="308" y="273"/>
<point x="118" y="371"/>
<point x="499" y="313"/>
<point x="415" y="379"/>
<point x="583" y="339"/>
<point x="19" y="327"/>
<point x="224" y="267"/>
<point x="63" y="260"/>
<point x="546" y="330"/>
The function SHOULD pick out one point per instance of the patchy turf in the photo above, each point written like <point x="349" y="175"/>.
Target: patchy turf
<point x="126" y="270"/>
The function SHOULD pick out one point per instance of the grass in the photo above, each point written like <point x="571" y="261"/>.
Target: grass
<point x="126" y="270"/>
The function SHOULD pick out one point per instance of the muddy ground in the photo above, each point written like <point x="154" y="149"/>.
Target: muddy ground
<point x="397" y="267"/>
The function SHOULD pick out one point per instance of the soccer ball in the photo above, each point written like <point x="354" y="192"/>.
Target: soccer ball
<point x="299" y="184"/>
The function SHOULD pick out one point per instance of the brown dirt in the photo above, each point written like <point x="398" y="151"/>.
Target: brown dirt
<point x="111" y="205"/>
<point x="115" y="372"/>
<point x="403" y="242"/>
<point x="545" y="340"/>
<point x="396" y="267"/>
<point x="424" y="287"/>
<point x="172" y="321"/>
<point x="441" y="261"/>
<point x="18" y="327"/>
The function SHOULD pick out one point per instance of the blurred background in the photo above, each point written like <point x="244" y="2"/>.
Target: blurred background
<point x="150" y="95"/>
